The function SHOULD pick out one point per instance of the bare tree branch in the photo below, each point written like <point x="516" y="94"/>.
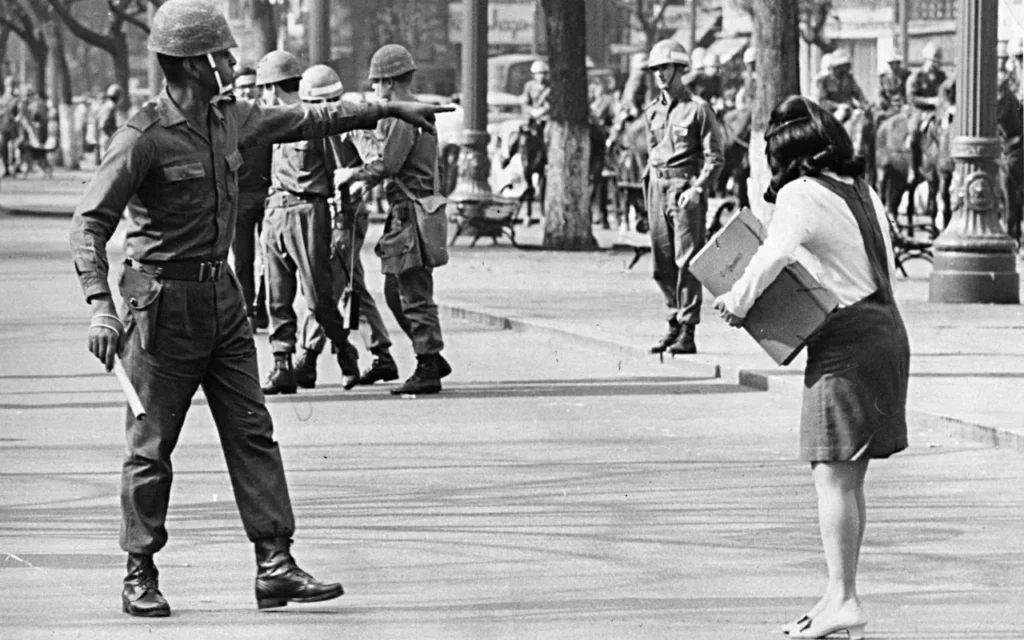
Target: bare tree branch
<point x="79" y="30"/>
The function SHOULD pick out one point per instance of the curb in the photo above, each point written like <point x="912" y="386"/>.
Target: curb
<point x="921" y="422"/>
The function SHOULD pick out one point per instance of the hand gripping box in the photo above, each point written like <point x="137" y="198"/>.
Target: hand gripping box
<point x="789" y="311"/>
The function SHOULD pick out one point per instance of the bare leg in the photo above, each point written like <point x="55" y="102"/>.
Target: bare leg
<point x="842" y="516"/>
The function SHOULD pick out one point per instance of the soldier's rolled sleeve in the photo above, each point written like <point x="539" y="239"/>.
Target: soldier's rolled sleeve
<point x="711" y="140"/>
<point x="292" y="123"/>
<point x="120" y="174"/>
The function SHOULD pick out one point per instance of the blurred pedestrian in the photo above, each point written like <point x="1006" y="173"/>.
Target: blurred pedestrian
<point x="173" y="169"/>
<point x="408" y="169"/>
<point x="253" y="188"/>
<point x="855" y="382"/>
<point x="685" y="157"/>
<point x="107" y="118"/>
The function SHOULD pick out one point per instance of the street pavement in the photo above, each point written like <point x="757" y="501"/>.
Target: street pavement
<point x="563" y="486"/>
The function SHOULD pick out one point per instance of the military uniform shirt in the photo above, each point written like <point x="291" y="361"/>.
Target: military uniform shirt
<point x="254" y="176"/>
<point x="891" y="85"/>
<point x="831" y="91"/>
<point x="684" y="134"/>
<point x="179" y="184"/>
<point x="406" y="154"/>
<point x="536" y="97"/>
<point x="306" y="167"/>
<point x="922" y="84"/>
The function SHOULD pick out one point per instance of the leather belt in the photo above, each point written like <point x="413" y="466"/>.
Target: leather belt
<point x="287" y="199"/>
<point x="672" y="173"/>
<point x="189" y="270"/>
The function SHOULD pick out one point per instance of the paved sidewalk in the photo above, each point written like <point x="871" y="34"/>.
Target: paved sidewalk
<point x="967" y="359"/>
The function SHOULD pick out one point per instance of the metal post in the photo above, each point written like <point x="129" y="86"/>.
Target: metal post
<point x="153" y="73"/>
<point x="693" y="24"/>
<point x="975" y="260"/>
<point x="319" y="31"/>
<point x="472" y="189"/>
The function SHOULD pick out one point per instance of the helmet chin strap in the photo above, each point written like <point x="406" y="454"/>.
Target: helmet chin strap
<point x="222" y="88"/>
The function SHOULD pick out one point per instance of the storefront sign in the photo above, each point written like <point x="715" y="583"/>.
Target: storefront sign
<point x="507" y="24"/>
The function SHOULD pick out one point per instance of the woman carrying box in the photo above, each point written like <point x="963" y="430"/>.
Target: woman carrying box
<point x="855" y="383"/>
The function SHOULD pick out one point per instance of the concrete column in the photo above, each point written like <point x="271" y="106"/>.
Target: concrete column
<point x="975" y="261"/>
<point x="472" y="188"/>
<point x="319" y="31"/>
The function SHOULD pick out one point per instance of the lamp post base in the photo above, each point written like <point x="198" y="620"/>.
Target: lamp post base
<point x="974" y="277"/>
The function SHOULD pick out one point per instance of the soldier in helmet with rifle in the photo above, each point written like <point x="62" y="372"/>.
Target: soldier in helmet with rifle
<point x="297" y="239"/>
<point x="351" y="221"/>
<point x="685" y="157"/>
<point x="183" y="324"/>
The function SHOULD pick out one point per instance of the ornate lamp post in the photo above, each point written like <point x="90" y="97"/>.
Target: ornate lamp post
<point x="472" y="189"/>
<point x="975" y="261"/>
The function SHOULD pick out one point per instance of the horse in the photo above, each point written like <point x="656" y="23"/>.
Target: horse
<point x="936" y="167"/>
<point x="892" y="157"/>
<point x="627" y="150"/>
<point x="1011" y="128"/>
<point x="528" y="141"/>
<point x="860" y="125"/>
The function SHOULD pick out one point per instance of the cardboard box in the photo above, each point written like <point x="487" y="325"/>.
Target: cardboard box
<point x="789" y="311"/>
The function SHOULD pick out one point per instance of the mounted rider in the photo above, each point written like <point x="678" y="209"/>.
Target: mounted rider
<point x="924" y="94"/>
<point x="892" y="82"/>
<point x="838" y="90"/>
<point x="536" y="98"/>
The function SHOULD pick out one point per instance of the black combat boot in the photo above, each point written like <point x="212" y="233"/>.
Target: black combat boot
<point x="674" y="327"/>
<point x="141" y="595"/>
<point x="348" y="360"/>
<point x="383" y="368"/>
<point x="443" y="368"/>
<point x="424" y="380"/>
<point x="305" y="369"/>
<point x="280" y="581"/>
<point x="684" y="344"/>
<point x="282" y="378"/>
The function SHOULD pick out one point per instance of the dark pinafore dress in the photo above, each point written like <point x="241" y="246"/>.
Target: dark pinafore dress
<point x="855" y="383"/>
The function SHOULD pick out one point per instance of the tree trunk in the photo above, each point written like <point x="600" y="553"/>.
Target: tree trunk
<point x="70" y="144"/>
<point x="567" y="205"/>
<point x="121" y="71"/>
<point x="777" y="42"/>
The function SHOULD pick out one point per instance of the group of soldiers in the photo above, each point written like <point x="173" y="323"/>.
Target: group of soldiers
<point x="25" y="120"/>
<point x="305" y="200"/>
<point x="171" y="172"/>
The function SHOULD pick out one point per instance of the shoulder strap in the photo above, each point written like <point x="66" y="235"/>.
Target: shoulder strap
<point x="145" y="117"/>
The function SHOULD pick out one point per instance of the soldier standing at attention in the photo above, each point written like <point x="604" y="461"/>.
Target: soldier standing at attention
<point x="351" y="220"/>
<point x="685" y="157"/>
<point x="408" y="168"/>
<point x="173" y="167"/>
<point x="297" y="235"/>
<point x="253" y="186"/>
<point x="924" y="88"/>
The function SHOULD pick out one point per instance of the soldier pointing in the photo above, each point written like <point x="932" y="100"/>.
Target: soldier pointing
<point x="183" y="324"/>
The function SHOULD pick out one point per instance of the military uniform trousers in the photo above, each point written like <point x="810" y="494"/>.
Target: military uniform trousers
<point x="410" y="296"/>
<point x="297" y="249"/>
<point x="371" y="324"/>
<point x="677" y="234"/>
<point x="196" y="335"/>
<point x="245" y="246"/>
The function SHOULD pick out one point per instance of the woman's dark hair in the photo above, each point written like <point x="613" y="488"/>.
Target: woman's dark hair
<point x="803" y="139"/>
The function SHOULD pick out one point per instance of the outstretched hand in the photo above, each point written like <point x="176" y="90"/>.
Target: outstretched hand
<point x="418" y="114"/>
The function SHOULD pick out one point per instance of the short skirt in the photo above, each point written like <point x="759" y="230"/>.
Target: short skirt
<point x="855" y="385"/>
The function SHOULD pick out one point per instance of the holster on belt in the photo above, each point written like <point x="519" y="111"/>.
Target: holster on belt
<point x="141" y="294"/>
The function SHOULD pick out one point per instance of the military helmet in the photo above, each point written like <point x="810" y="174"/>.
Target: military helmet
<point x="277" y="66"/>
<point x="115" y="91"/>
<point x="932" y="51"/>
<point x="391" y="61"/>
<point x="668" y="52"/>
<point x="750" y="55"/>
<point x="711" y="59"/>
<point x="839" y="58"/>
<point x="187" y="28"/>
<point x="320" y="82"/>
<point x="826" y="62"/>
<point x="245" y="77"/>
<point x="895" y="56"/>
<point x="539" y="66"/>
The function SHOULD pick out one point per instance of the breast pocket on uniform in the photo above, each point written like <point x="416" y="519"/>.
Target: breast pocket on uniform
<point x="178" y="188"/>
<point x="182" y="172"/>
<point x="681" y="133"/>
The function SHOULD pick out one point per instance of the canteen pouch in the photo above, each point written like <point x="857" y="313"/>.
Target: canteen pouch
<point x="141" y="295"/>
<point x="432" y="224"/>
<point x="399" y="247"/>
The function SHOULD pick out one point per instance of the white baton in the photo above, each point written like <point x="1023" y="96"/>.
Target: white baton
<point x="129" y="390"/>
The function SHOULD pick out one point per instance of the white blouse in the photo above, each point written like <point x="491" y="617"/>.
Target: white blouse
<point x="814" y="226"/>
